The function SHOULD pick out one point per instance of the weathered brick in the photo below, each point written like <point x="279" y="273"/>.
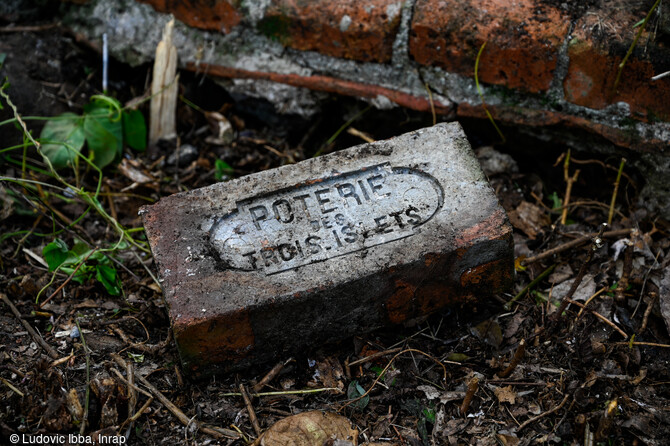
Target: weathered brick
<point x="350" y="29"/>
<point x="215" y="15"/>
<point x="275" y="262"/>
<point x="522" y="39"/>
<point x="600" y="41"/>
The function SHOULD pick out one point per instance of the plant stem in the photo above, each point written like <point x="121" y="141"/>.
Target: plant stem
<point x="616" y="189"/>
<point x="481" y="95"/>
<point x="532" y="284"/>
<point x="632" y="46"/>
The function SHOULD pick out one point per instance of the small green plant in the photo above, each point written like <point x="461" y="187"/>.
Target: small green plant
<point x="641" y="24"/>
<point x="83" y="263"/>
<point x="103" y="134"/>
<point x="104" y="127"/>
<point x="429" y="414"/>
<point x="354" y="391"/>
<point x="222" y="170"/>
<point x="556" y="201"/>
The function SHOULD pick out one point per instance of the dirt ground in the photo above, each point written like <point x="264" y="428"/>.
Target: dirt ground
<point x="520" y="368"/>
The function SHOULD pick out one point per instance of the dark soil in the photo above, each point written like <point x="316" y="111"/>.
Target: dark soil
<point x="579" y="379"/>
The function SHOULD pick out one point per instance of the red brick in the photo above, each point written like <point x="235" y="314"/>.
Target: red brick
<point x="522" y="39"/>
<point x="215" y="15"/>
<point x="349" y="29"/>
<point x="601" y="40"/>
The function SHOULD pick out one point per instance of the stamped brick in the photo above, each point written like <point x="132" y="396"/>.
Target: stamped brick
<point x="283" y="260"/>
<point x="522" y="39"/>
<point x="349" y="29"/>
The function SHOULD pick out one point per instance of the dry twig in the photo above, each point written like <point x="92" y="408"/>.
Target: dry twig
<point x="544" y="414"/>
<point x="614" y="193"/>
<point x="595" y="245"/>
<point x="270" y="376"/>
<point x="645" y="318"/>
<point x="574" y="243"/>
<point x="588" y="301"/>
<point x="216" y="432"/>
<point x="569" y="180"/>
<point x="598" y="315"/>
<point x="250" y="410"/>
<point x="84" y="420"/>
<point x="516" y="359"/>
<point x="36" y="337"/>
<point x="473" y="385"/>
<point x="375" y="356"/>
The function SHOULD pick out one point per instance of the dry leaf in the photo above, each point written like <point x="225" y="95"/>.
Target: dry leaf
<point x="330" y="373"/>
<point x="529" y="218"/>
<point x="309" y="429"/>
<point x="222" y="129"/>
<point x="507" y="440"/>
<point x="74" y="405"/>
<point x="505" y="394"/>
<point x="134" y="172"/>
<point x="488" y="331"/>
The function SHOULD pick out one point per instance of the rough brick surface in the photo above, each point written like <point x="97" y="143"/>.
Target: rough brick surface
<point x="600" y="41"/>
<point x="350" y="29"/>
<point x="214" y="15"/>
<point x="522" y="39"/>
<point x="286" y="259"/>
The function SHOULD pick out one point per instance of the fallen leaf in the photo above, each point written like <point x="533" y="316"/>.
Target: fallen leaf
<point x="514" y="324"/>
<point x="530" y="219"/>
<point x="309" y="429"/>
<point x="134" y="172"/>
<point x="586" y="289"/>
<point x="507" y="440"/>
<point x="505" y="394"/>
<point x="330" y="373"/>
<point x="488" y="331"/>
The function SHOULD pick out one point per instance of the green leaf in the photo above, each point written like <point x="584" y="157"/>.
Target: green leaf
<point x="556" y="201"/>
<point x="135" y="357"/>
<point x="107" y="276"/>
<point x="104" y="132"/>
<point x="3" y="56"/>
<point x="135" y="130"/>
<point x="222" y="169"/>
<point x="55" y="253"/>
<point x="429" y="415"/>
<point x="354" y="391"/>
<point x="80" y="250"/>
<point x="83" y="274"/>
<point x="458" y="357"/>
<point x="63" y="139"/>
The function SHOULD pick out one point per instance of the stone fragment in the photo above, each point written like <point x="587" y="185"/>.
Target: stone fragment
<point x="279" y="261"/>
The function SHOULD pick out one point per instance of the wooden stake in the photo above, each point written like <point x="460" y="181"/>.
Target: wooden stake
<point x="163" y="120"/>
